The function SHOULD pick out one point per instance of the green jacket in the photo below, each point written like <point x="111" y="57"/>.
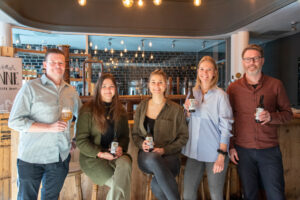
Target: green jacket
<point x="170" y="129"/>
<point x="88" y="140"/>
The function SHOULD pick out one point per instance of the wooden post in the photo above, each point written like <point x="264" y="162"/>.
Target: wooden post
<point x="65" y="49"/>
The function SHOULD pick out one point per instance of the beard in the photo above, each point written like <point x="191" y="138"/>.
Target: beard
<point x="254" y="72"/>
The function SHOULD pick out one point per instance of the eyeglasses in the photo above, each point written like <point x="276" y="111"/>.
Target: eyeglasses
<point x="53" y="63"/>
<point x="254" y="59"/>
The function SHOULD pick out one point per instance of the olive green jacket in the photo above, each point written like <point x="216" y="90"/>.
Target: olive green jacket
<point x="88" y="135"/>
<point x="170" y="129"/>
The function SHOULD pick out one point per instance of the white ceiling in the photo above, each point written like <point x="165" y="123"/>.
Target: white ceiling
<point x="279" y="20"/>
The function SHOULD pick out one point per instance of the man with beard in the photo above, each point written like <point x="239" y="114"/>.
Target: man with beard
<point x="255" y="146"/>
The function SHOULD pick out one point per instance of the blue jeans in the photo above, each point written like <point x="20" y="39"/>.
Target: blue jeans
<point x="263" y="165"/>
<point x="193" y="174"/>
<point x="164" y="169"/>
<point x="52" y="176"/>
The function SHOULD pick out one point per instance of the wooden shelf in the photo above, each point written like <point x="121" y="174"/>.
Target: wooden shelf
<point x="80" y="79"/>
<point x="29" y="51"/>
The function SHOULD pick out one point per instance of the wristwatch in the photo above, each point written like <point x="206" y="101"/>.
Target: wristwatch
<point x="225" y="153"/>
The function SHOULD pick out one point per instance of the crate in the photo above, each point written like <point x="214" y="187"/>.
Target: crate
<point x="5" y="131"/>
<point x="7" y="51"/>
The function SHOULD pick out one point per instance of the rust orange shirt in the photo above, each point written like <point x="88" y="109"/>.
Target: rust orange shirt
<point x="244" y="99"/>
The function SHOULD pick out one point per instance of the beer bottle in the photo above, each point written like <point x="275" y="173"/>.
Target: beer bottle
<point x="192" y="107"/>
<point x="114" y="145"/>
<point x="149" y="138"/>
<point x="259" y="109"/>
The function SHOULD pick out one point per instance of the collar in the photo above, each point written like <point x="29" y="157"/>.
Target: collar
<point x="45" y="80"/>
<point x="259" y="84"/>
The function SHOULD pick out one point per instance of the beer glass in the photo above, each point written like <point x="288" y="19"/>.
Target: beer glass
<point x="66" y="114"/>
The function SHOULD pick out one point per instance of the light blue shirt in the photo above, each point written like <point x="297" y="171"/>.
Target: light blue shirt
<point x="209" y="125"/>
<point x="41" y="101"/>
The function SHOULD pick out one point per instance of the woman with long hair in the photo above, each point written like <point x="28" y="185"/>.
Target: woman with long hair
<point x="209" y="133"/>
<point x="102" y="121"/>
<point x="164" y="121"/>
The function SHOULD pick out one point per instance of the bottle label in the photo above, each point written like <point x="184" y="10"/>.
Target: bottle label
<point x="150" y="142"/>
<point x="113" y="147"/>
<point x="258" y="111"/>
<point x="193" y="103"/>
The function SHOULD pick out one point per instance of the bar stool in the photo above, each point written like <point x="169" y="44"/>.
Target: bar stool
<point x="95" y="191"/>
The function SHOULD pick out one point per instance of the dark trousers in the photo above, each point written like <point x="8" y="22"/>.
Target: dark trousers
<point x="164" y="169"/>
<point x="52" y="176"/>
<point x="263" y="165"/>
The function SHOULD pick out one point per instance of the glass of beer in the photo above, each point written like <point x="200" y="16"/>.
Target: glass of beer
<point x="66" y="114"/>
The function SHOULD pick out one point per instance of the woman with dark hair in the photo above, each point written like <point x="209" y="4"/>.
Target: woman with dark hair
<point x="209" y="133"/>
<point x="102" y="121"/>
<point x="164" y="121"/>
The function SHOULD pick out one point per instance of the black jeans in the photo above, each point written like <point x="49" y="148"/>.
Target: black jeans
<point x="52" y="176"/>
<point x="164" y="169"/>
<point x="261" y="164"/>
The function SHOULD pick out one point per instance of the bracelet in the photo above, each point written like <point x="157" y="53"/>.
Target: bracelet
<point x="225" y="153"/>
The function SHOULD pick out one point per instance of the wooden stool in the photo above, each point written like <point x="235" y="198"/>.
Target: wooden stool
<point x="148" y="187"/>
<point x="95" y="192"/>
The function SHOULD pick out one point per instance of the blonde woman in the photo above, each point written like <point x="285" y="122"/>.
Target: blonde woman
<point x="166" y="122"/>
<point x="209" y="133"/>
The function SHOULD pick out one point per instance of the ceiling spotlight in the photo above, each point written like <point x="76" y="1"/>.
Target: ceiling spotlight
<point x="173" y="44"/>
<point x="157" y="2"/>
<point x="82" y="2"/>
<point x="127" y="3"/>
<point x="203" y="44"/>
<point x="140" y="3"/>
<point x="122" y="42"/>
<point x="294" y="26"/>
<point x="150" y="44"/>
<point x="197" y="2"/>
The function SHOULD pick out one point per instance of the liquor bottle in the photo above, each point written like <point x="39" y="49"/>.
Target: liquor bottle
<point x="192" y="107"/>
<point x="149" y="138"/>
<point x="114" y="145"/>
<point x="259" y="109"/>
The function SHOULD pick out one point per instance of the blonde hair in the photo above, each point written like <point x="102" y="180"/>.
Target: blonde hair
<point x="159" y="72"/>
<point x="215" y="79"/>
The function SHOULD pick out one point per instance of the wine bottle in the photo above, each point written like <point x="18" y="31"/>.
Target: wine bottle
<point x="259" y="109"/>
<point x="149" y="138"/>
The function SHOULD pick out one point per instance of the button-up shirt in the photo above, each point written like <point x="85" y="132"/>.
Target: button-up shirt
<point x="41" y="101"/>
<point x="209" y="125"/>
<point x="244" y="99"/>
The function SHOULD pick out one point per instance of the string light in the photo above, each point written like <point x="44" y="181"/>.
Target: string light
<point x="82" y="2"/>
<point x="140" y="3"/>
<point x="197" y="2"/>
<point x="157" y="2"/>
<point x="127" y="3"/>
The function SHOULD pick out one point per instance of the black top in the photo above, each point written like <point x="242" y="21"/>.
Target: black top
<point x="108" y="136"/>
<point x="149" y="125"/>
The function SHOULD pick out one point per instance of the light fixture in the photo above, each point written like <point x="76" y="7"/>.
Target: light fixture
<point x="82" y="2"/>
<point x="121" y="54"/>
<point x="112" y="51"/>
<point x="96" y="47"/>
<point x="157" y="2"/>
<point x="91" y="44"/>
<point x="173" y="44"/>
<point x="136" y="55"/>
<point x="127" y="3"/>
<point x="139" y="48"/>
<point x="95" y="52"/>
<point x="151" y="57"/>
<point x="125" y="50"/>
<point x="294" y="26"/>
<point x="143" y="55"/>
<point x="150" y="44"/>
<point x="17" y="38"/>
<point x="203" y="44"/>
<point x="105" y="49"/>
<point x="122" y="42"/>
<point x="197" y="2"/>
<point x="140" y="3"/>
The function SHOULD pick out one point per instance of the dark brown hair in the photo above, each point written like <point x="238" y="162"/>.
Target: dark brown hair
<point x="56" y="51"/>
<point x="97" y="105"/>
<point x="253" y="47"/>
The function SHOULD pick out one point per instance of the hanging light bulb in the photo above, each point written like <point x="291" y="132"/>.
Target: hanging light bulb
<point x="136" y="55"/>
<point x="143" y="55"/>
<point x="151" y="57"/>
<point x="157" y="2"/>
<point x="95" y="52"/>
<point x="150" y="44"/>
<point x="197" y="2"/>
<point x="91" y="44"/>
<point x="112" y="51"/>
<point x="105" y="49"/>
<point x="121" y="54"/>
<point x="139" y="48"/>
<point x="140" y="3"/>
<point x="127" y="3"/>
<point x="125" y="50"/>
<point x="96" y="47"/>
<point x="82" y="2"/>
<point x="122" y="42"/>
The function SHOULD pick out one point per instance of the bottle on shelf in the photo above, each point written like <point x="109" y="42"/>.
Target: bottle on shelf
<point x="76" y="69"/>
<point x="114" y="145"/>
<point x="259" y="109"/>
<point x="149" y="138"/>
